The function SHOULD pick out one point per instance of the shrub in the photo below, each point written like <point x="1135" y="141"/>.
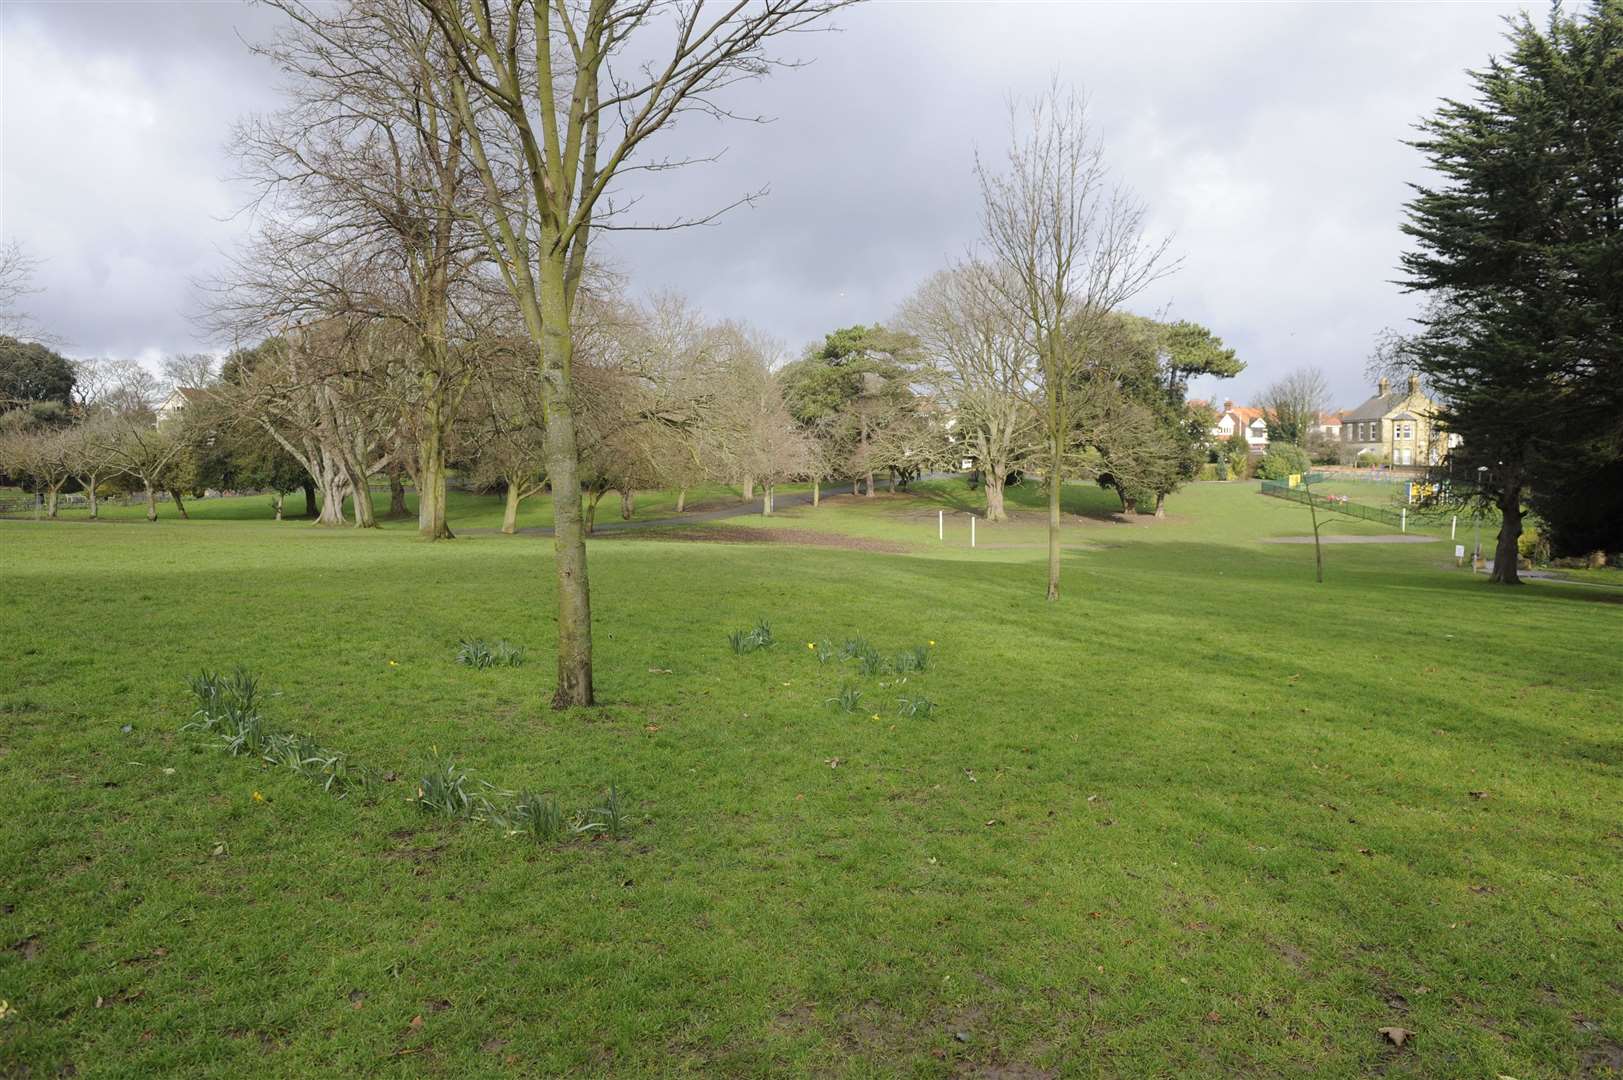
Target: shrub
<point x="1282" y="460"/>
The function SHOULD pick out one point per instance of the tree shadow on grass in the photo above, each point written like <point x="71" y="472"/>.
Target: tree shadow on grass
<point x="1085" y="500"/>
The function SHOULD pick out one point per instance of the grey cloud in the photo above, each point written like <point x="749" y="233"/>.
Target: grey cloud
<point x="1267" y="139"/>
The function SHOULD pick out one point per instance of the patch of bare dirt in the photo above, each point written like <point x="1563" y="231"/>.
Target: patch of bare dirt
<point x="733" y="534"/>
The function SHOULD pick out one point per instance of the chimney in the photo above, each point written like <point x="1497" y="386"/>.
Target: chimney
<point x="1383" y="388"/>
<point x="1414" y="385"/>
<point x="1228" y="404"/>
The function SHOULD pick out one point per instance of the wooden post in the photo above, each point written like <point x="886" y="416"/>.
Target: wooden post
<point x="1403" y="520"/>
<point x="1453" y="524"/>
<point x="972" y="530"/>
<point x="941" y="525"/>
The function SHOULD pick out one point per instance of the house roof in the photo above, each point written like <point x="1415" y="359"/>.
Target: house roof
<point x="1376" y="407"/>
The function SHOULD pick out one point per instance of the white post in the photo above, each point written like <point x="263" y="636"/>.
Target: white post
<point x="972" y="530"/>
<point x="941" y="525"/>
<point x="1403" y="522"/>
<point x="1453" y="524"/>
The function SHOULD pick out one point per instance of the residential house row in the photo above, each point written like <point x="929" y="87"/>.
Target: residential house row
<point x="1396" y="427"/>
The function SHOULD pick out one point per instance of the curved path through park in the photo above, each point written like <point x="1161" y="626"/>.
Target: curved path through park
<point x="717" y="513"/>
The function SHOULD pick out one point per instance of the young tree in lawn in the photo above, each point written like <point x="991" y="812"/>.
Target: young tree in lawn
<point x="153" y="457"/>
<point x="509" y="437"/>
<point x="84" y="450"/>
<point x="1064" y="246"/>
<point x="977" y="362"/>
<point x="42" y="455"/>
<point x="557" y="99"/>
<point x="1293" y="403"/>
<point x="1520" y="247"/>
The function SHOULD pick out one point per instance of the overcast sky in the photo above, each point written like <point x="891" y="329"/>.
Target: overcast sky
<point x="1265" y="138"/>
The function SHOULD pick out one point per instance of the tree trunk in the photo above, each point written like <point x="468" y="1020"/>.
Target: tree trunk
<point x="397" y="495"/>
<point x="90" y="493"/>
<point x="817" y="491"/>
<point x="180" y="507"/>
<point x="681" y="500"/>
<point x="628" y="503"/>
<point x="766" y="500"/>
<point x="431" y="523"/>
<point x="1056" y="447"/>
<point x="276" y="504"/>
<point x="310" y="510"/>
<point x="856" y="485"/>
<point x="749" y="487"/>
<point x="510" y="510"/>
<point x="869" y="485"/>
<point x="1506" y="552"/>
<point x="152" y="501"/>
<point x="1160" y="504"/>
<point x="563" y="469"/>
<point x="891" y="481"/>
<point x="332" y="501"/>
<point x="995" y="510"/>
<point x="50" y="501"/>
<point x="361" y="504"/>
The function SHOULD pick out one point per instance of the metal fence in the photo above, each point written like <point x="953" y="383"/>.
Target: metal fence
<point x="1281" y="489"/>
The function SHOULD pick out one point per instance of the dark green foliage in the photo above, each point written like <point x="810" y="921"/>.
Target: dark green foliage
<point x="1519" y="245"/>
<point x="834" y="375"/>
<point x="31" y="373"/>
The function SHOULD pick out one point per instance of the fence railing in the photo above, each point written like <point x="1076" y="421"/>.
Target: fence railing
<point x="1281" y="489"/>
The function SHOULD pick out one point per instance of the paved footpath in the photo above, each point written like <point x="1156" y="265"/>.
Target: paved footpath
<point x="720" y="513"/>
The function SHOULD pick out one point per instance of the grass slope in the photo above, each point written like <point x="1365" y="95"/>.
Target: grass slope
<point x="1201" y="817"/>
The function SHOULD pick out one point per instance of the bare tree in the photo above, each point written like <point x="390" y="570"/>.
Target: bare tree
<point x="557" y="98"/>
<point x="1065" y="245"/>
<point x="1293" y="404"/>
<point x="365" y="190"/>
<point x="147" y="455"/>
<point x="121" y="388"/>
<point x="40" y="454"/>
<point x="86" y="454"/>
<point x="977" y="362"/>
<point x="750" y="428"/>
<point x="189" y="370"/>
<point x="17" y="269"/>
<point x="316" y="394"/>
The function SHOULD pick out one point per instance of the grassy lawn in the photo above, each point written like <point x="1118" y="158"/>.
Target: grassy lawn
<point x="1202" y="817"/>
<point x="463" y="509"/>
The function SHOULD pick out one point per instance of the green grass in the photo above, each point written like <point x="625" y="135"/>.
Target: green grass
<point x="463" y="509"/>
<point x="1202" y="817"/>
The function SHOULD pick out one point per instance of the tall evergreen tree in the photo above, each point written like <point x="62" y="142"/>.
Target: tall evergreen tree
<point x="1520" y="247"/>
